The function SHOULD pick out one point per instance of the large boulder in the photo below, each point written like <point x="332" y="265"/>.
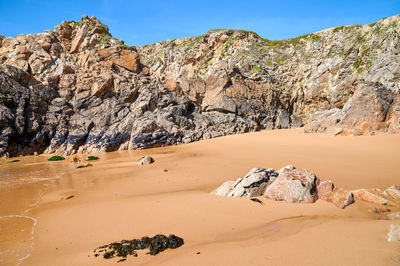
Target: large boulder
<point x="293" y="185"/>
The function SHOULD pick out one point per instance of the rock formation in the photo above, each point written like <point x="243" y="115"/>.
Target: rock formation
<point x="301" y="186"/>
<point x="287" y="184"/>
<point x="78" y="89"/>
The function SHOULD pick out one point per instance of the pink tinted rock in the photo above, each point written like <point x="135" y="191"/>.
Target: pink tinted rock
<point x="293" y="185"/>
<point x="325" y="189"/>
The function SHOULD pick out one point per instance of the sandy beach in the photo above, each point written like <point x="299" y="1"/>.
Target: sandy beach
<point x="118" y="199"/>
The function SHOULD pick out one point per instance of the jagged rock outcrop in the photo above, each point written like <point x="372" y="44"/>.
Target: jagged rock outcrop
<point x="78" y="89"/>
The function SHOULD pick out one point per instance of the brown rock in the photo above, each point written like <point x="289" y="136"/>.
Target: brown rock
<point x="379" y="210"/>
<point x="77" y="41"/>
<point x="365" y="195"/>
<point x="341" y="198"/>
<point x="128" y="59"/>
<point x="337" y="196"/>
<point x="100" y="88"/>
<point x="108" y="52"/>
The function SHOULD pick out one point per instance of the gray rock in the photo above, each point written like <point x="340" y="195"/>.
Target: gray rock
<point x="253" y="184"/>
<point x="146" y="160"/>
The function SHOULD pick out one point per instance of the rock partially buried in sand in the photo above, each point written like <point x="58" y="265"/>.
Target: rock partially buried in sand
<point x="341" y="198"/>
<point x="392" y="216"/>
<point x="125" y="248"/>
<point x="394" y="233"/>
<point x="365" y="195"/>
<point x="146" y="160"/>
<point x="293" y="185"/>
<point x="337" y="196"/>
<point x="393" y="192"/>
<point x="253" y="184"/>
<point x="287" y="184"/>
<point x="379" y="210"/>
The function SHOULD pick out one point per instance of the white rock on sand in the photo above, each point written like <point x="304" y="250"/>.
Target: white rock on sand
<point x="394" y="233"/>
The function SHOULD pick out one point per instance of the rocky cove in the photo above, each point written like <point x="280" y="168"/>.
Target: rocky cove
<point x="78" y="89"/>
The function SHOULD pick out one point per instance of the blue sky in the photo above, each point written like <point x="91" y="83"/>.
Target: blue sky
<point x="142" y="22"/>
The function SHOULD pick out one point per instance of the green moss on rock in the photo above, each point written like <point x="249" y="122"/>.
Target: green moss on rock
<point x="56" y="158"/>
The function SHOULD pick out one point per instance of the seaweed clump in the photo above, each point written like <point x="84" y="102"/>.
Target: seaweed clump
<point x="14" y="161"/>
<point x="125" y="248"/>
<point x="92" y="158"/>
<point x="56" y="158"/>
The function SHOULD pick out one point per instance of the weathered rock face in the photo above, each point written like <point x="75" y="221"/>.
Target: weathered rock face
<point x="78" y="89"/>
<point x="372" y="109"/>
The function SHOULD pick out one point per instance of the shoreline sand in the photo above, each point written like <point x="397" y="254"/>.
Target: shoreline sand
<point x="117" y="199"/>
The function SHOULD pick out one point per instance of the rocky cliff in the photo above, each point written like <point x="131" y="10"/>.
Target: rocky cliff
<point x="78" y="89"/>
